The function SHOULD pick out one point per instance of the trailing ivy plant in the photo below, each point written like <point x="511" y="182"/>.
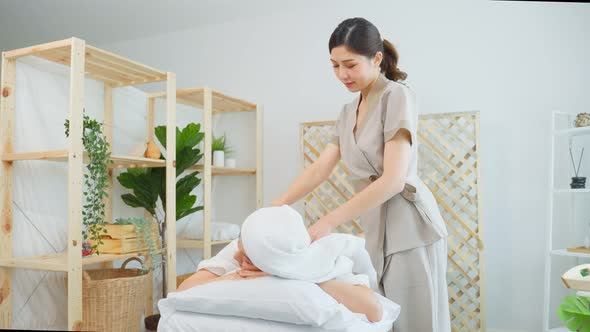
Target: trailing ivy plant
<point x="144" y="232"/>
<point x="96" y="179"/>
<point x="149" y="184"/>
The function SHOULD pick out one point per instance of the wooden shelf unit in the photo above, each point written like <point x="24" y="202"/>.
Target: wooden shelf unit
<point x="114" y="71"/>
<point x="212" y="103"/>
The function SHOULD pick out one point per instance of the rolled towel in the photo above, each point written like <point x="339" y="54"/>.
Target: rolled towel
<point x="276" y="241"/>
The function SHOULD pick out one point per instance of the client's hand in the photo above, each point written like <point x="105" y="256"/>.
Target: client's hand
<point x="231" y="276"/>
<point x="319" y="229"/>
<point x="245" y="274"/>
<point x="244" y="261"/>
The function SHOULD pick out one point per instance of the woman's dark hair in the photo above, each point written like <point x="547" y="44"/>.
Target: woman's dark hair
<point x="362" y="37"/>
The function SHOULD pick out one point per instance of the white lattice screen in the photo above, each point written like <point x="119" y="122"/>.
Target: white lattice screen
<point x="448" y="164"/>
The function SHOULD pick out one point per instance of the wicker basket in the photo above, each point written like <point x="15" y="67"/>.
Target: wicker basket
<point x="113" y="299"/>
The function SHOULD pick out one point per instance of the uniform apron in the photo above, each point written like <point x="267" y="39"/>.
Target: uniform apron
<point x="406" y="235"/>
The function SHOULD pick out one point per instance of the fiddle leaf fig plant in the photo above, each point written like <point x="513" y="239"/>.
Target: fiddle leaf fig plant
<point x="149" y="184"/>
<point x="96" y="179"/>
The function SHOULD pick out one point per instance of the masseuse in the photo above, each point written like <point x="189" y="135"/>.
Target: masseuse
<point x="375" y="137"/>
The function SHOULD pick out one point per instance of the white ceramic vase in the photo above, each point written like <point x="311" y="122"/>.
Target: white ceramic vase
<point x="218" y="158"/>
<point x="230" y="162"/>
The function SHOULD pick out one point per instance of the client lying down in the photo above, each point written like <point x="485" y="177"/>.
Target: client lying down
<point x="274" y="241"/>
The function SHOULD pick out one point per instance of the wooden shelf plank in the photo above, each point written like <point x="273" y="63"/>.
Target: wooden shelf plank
<point x="93" y="259"/>
<point x="218" y="171"/>
<point x="62" y="155"/>
<point x="135" y="162"/>
<point x="50" y="155"/>
<point x="222" y="103"/>
<point x="197" y="244"/>
<point x="55" y="262"/>
<point x="34" y="50"/>
<point x="58" y="262"/>
<point x="100" y="64"/>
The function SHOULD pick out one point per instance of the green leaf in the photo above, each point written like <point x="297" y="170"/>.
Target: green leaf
<point x="133" y="201"/>
<point x="185" y="202"/>
<point x="574" y="312"/>
<point x="189" y="136"/>
<point x="184" y="213"/>
<point x="127" y="180"/>
<point x="160" y="132"/>
<point x="186" y="158"/>
<point x="186" y="184"/>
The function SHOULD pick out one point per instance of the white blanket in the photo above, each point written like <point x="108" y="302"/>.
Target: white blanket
<point x="277" y="242"/>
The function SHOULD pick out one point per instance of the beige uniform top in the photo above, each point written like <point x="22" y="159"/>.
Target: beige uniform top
<point x="410" y="219"/>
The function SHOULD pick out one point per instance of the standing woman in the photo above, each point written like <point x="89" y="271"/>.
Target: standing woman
<point x="375" y="135"/>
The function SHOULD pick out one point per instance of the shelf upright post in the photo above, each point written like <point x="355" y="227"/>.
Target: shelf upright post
<point x="107" y="130"/>
<point x="75" y="182"/>
<point x="207" y="178"/>
<point x="171" y="181"/>
<point x="7" y="102"/>
<point x="259" y="160"/>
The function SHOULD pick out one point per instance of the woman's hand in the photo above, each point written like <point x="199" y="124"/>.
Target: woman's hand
<point x="320" y="229"/>
<point x="277" y="202"/>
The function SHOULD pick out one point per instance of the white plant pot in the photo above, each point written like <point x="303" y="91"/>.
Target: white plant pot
<point x="230" y="162"/>
<point x="218" y="158"/>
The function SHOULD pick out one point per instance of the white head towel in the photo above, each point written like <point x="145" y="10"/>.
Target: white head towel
<point x="276" y="241"/>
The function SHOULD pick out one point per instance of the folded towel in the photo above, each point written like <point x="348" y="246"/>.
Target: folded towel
<point x="276" y="241"/>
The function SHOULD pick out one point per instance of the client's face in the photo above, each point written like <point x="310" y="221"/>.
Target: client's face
<point x="242" y="258"/>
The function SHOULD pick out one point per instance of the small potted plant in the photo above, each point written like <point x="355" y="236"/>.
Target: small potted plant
<point x="220" y="150"/>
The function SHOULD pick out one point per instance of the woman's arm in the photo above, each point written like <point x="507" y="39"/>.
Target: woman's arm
<point x="311" y="177"/>
<point x="202" y="277"/>
<point x="396" y="158"/>
<point x="356" y="298"/>
<point x="199" y="278"/>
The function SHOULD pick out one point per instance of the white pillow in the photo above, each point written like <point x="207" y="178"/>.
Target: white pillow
<point x="276" y="299"/>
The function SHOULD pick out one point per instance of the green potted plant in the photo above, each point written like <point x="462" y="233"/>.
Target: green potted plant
<point x="220" y="150"/>
<point x="574" y="312"/>
<point x="149" y="184"/>
<point x="96" y="182"/>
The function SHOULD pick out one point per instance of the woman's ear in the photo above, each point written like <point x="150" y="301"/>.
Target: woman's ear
<point x="378" y="58"/>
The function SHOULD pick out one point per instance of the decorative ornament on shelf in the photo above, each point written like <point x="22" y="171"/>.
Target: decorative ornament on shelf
<point x="582" y="120"/>
<point x="578" y="182"/>
<point x="152" y="151"/>
<point x="87" y="248"/>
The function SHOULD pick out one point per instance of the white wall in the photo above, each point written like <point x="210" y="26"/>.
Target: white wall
<point x="514" y="62"/>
